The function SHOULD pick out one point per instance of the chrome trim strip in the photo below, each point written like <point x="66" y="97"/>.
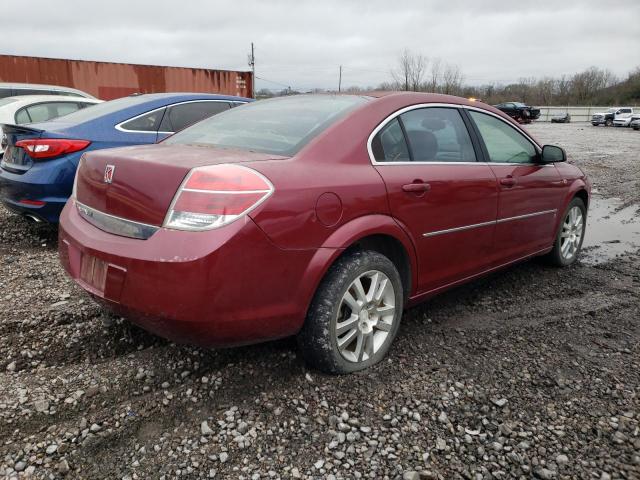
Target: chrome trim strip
<point x="528" y="215"/>
<point x="115" y="225"/>
<point x="458" y="229"/>
<point x="485" y="224"/>
<point x="397" y="113"/>
<point x="120" y="128"/>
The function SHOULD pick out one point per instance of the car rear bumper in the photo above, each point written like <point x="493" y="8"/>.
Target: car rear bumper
<point x="222" y="287"/>
<point x="47" y="182"/>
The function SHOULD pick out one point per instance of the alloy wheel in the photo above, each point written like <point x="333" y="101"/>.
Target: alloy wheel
<point x="572" y="232"/>
<point x="365" y="316"/>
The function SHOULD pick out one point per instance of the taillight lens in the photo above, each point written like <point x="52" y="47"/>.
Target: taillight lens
<point x="42" y="148"/>
<point x="216" y="195"/>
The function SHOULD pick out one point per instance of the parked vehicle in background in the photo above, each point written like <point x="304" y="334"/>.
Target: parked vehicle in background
<point x="561" y="118"/>
<point x="607" y="118"/>
<point x="623" y="118"/>
<point x="520" y="112"/>
<point x="40" y="159"/>
<point x="635" y="121"/>
<point x="317" y="215"/>
<point x="39" y="108"/>
<point x="20" y="89"/>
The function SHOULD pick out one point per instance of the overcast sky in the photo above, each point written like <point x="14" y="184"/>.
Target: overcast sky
<point x="301" y="43"/>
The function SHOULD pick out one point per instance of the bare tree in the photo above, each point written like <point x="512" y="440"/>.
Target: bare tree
<point x="451" y="80"/>
<point x="436" y="65"/>
<point x="411" y="68"/>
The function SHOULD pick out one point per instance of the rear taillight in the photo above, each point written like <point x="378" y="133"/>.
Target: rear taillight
<point x="51" y="147"/>
<point x="216" y="195"/>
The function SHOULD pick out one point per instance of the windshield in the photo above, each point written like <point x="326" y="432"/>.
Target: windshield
<point x="612" y="110"/>
<point x="101" y="109"/>
<point x="519" y="104"/>
<point x="281" y="125"/>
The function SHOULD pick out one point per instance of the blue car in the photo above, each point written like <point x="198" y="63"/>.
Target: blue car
<point x="40" y="159"/>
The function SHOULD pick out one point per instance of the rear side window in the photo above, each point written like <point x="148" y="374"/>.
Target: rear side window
<point x="504" y="144"/>
<point x="22" y="116"/>
<point x="389" y="144"/>
<point x="147" y="122"/>
<point x="42" y="112"/>
<point x="185" y="114"/>
<point x="438" y="135"/>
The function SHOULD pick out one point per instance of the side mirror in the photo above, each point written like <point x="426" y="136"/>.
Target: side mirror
<point x="553" y="154"/>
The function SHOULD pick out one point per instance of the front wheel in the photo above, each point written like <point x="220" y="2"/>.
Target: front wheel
<point x="608" y="122"/>
<point x="355" y="314"/>
<point x="571" y="234"/>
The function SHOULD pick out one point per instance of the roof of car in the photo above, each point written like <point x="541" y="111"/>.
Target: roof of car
<point x="212" y="96"/>
<point x="22" y="100"/>
<point x="62" y="88"/>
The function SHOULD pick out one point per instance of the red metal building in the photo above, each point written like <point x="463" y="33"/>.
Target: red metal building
<point x="107" y="80"/>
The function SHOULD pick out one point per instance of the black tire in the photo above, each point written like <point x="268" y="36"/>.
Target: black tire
<point x="318" y="339"/>
<point x="608" y="122"/>
<point x="555" y="257"/>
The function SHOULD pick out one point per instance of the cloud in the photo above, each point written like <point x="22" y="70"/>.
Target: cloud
<point x="302" y="43"/>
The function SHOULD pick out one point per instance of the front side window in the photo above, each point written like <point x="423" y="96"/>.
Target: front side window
<point x="389" y="144"/>
<point x="185" y="114"/>
<point x="148" y="122"/>
<point x="504" y="144"/>
<point x="438" y="134"/>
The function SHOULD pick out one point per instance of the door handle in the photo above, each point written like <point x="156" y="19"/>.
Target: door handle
<point x="508" y="181"/>
<point x="417" y="187"/>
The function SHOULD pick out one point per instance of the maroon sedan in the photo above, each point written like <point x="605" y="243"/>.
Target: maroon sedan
<point x="322" y="216"/>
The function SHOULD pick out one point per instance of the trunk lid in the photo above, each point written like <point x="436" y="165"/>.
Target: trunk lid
<point x="138" y="183"/>
<point x="15" y="159"/>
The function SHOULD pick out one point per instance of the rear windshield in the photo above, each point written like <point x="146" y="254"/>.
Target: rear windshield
<point x="281" y="126"/>
<point x="101" y="109"/>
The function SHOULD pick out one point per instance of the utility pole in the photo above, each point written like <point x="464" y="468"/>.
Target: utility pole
<point x="252" y="64"/>
<point x="340" y="79"/>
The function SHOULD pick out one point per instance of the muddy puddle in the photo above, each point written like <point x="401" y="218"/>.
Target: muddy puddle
<point x="611" y="231"/>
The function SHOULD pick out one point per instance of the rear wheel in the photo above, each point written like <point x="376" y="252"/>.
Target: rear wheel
<point x="355" y="314"/>
<point x="571" y="235"/>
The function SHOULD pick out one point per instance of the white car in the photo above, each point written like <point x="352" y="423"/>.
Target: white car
<point x="635" y="121"/>
<point x="623" y="117"/>
<point x="39" y="108"/>
<point x="20" y="89"/>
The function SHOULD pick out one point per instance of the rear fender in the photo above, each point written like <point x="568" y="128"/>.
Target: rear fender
<point x="347" y="235"/>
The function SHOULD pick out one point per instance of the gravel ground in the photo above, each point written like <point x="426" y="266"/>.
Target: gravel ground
<point x="532" y="372"/>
